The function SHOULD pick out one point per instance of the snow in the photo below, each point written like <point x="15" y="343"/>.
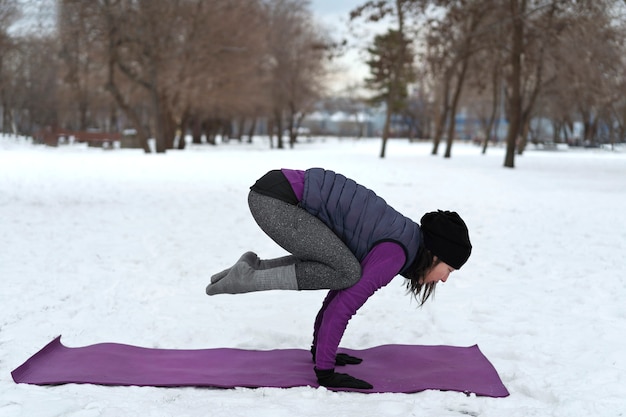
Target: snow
<point x="117" y="246"/>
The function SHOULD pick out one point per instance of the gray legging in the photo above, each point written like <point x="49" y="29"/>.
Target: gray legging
<point x="322" y="260"/>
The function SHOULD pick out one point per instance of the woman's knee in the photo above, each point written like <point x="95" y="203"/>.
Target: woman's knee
<point x="352" y="273"/>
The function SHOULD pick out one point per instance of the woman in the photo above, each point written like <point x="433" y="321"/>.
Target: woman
<point x="345" y="238"/>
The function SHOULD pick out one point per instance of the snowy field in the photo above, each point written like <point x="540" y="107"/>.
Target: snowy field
<point x="118" y="246"/>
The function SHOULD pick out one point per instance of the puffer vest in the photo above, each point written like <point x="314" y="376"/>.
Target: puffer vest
<point x="357" y="215"/>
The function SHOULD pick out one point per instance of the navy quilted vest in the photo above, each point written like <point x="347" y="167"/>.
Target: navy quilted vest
<point x="357" y="215"/>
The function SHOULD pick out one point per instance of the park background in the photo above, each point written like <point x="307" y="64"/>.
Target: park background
<point x="131" y="132"/>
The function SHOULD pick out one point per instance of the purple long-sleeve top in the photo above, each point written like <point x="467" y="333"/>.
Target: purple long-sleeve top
<point x="381" y="264"/>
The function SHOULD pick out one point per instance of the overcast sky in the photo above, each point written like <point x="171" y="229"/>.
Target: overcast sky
<point x="334" y="6"/>
<point x="334" y="16"/>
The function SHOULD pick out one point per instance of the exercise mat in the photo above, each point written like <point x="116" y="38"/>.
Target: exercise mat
<point x="389" y="368"/>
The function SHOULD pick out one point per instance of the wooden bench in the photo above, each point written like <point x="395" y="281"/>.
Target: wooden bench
<point x="53" y="137"/>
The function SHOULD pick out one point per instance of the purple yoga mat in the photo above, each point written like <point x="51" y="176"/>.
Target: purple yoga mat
<point x="390" y="368"/>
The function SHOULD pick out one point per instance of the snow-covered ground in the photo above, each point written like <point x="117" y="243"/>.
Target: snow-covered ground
<point x="117" y="246"/>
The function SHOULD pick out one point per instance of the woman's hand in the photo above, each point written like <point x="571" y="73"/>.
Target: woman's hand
<point x="330" y="378"/>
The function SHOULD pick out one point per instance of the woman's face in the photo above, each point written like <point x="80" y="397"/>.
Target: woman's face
<point x="439" y="272"/>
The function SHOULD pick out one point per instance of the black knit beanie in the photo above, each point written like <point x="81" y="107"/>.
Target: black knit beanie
<point x="447" y="237"/>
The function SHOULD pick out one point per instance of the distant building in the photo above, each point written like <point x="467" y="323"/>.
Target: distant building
<point x="357" y="124"/>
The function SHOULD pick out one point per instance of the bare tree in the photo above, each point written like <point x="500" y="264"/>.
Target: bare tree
<point x="182" y="63"/>
<point x="520" y="14"/>
<point x="297" y="54"/>
<point x="221" y="75"/>
<point x="485" y="81"/>
<point x="588" y="67"/>
<point x="455" y="39"/>
<point x="8" y="14"/>
<point x="29" y="84"/>
<point x="82" y="100"/>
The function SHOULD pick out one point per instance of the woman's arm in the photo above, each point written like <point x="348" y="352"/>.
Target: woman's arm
<point x="379" y="267"/>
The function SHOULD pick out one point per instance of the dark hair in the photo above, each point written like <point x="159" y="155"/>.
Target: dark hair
<point x="424" y="262"/>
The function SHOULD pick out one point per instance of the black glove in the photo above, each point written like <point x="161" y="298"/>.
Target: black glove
<point x="345" y="359"/>
<point x="332" y="379"/>
<point x="341" y="359"/>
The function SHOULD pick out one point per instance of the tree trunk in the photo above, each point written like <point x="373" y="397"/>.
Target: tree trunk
<point x="386" y="131"/>
<point x="443" y="115"/>
<point x="159" y="125"/>
<point x="252" y="129"/>
<point x="210" y="130"/>
<point x="184" y="122"/>
<point x="556" y="130"/>
<point x="142" y="133"/>
<point x="169" y="130"/>
<point x="83" y="110"/>
<point x="6" y="119"/>
<point x="564" y="128"/>
<point x="113" y="124"/>
<point x="515" y="99"/>
<point x="196" y="130"/>
<point x="241" y="125"/>
<point x="278" y="120"/>
<point x="454" y="105"/>
<point x="494" y="109"/>
<point x="111" y="87"/>
<point x="270" y="131"/>
<point x="523" y="140"/>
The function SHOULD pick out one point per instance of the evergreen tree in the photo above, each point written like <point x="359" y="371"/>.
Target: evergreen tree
<point x="391" y="72"/>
